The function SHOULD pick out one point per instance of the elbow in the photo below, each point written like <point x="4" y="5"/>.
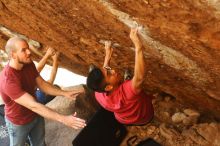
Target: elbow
<point x="138" y="83"/>
<point x="140" y="80"/>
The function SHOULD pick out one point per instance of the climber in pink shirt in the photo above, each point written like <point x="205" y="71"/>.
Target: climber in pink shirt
<point x="125" y="99"/>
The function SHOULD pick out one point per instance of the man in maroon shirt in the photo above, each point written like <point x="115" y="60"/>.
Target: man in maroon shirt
<point x="126" y="99"/>
<point x="19" y="80"/>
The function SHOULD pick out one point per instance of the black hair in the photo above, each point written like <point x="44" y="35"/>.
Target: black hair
<point x="95" y="79"/>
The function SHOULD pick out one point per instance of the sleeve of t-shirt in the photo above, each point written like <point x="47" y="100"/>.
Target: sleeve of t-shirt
<point x="128" y="91"/>
<point x="34" y="70"/>
<point x="13" y="88"/>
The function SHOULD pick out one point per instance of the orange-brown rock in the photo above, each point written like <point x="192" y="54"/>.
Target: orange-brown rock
<point x="181" y="39"/>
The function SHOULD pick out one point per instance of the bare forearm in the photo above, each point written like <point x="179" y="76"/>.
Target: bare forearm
<point x="46" y="112"/>
<point x="42" y="63"/>
<point x="48" y="88"/>
<point x="53" y="72"/>
<point x="107" y="58"/>
<point x="29" y="102"/>
<point x="51" y="90"/>
<point x="139" y="69"/>
<point x="108" y="53"/>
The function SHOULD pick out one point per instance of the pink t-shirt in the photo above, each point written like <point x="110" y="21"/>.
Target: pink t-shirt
<point x="128" y="106"/>
<point x="15" y="83"/>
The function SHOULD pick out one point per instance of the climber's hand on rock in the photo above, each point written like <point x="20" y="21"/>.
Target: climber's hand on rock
<point x="135" y="38"/>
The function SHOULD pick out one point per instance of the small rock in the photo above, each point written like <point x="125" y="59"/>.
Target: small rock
<point x="165" y="115"/>
<point x="190" y="120"/>
<point x="178" y="117"/>
<point x="151" y="130"/>
<point x="191" y="112"/>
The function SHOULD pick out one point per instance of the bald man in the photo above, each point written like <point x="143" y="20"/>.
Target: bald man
<point x="24" y="115"/>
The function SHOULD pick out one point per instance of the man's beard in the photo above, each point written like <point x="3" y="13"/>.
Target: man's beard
<point x="24" y="62"/>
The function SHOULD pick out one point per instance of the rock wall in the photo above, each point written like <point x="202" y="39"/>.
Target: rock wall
<point x="58" y="134"/>
<point x="181" y="39"/>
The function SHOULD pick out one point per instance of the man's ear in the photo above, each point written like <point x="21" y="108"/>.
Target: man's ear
<point x="13" y="54"/>
<point x="108" y="88"/>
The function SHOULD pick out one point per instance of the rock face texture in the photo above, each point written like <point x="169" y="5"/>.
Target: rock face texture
<point x="85" y="105"/>
<point x="181" y="39"/>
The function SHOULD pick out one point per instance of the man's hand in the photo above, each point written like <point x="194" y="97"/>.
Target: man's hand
<point x="55" y="56"/>
<point x="30" y="102"/>
<point x="135" y="39"/>
<point x="50" y="51"/>
<point x="73" y="122"/>
<point x="73" y="93"/>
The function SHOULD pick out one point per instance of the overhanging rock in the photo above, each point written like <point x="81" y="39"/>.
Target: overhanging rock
<point x="181" y="39"/>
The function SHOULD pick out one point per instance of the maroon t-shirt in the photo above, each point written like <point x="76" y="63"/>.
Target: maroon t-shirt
<point x="14" y="84"/>
<point x="128" y="106"/>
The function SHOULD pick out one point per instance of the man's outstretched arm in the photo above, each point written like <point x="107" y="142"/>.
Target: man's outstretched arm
<point x="29" y="102"/>
<point x="139" y="68"/>
<point x="108" y="53"/>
